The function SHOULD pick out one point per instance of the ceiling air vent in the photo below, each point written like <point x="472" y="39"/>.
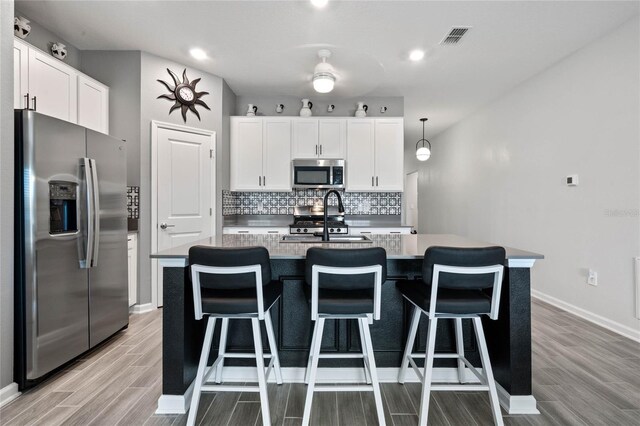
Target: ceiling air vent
<point x="455" y="35"/>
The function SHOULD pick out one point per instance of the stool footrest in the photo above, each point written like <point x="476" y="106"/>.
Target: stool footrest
<point x="343" y="388"/>
<point x="242" y="355"/>
<point x="325" y="355"/>
<point x="459" y="388"/>
<point x="228" y="388"/>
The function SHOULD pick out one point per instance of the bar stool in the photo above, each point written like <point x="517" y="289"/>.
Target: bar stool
<point x="344" y="284"/>
<point x="455" y="285"/>
<point x="233" y="284"/>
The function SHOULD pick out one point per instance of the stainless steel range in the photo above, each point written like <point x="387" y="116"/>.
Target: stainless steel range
<point x="310" y="220"/>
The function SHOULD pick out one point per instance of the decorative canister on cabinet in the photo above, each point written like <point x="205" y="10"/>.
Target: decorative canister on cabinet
<point x="306" y="108"/>
<point x="21" y="27"/>
<point x="252" y="110"/>
<point x="361" y="111"/>
<point x="59" y="50"/>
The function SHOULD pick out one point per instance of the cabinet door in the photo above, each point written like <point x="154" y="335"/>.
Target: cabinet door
<point x="389" y="155"/>
<point x="20" y="74"/>
<point x="305" y="138"/>
<point x="93" y="104"/>
<point x="246" y="154"/>
<point x="54" y="85"/>
<point x="360" y="154"/>
<point x="332" y="135"/>
<point x="276" y="153"/>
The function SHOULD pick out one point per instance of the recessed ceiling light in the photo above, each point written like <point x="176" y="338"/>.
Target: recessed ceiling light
<point x="319" y="3"/>
<point x="199" y="54"/>
<point x="416" y="55"/>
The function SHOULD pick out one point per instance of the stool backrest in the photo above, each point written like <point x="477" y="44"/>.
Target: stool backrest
<point x="461" y="268"/>
<point x="229" y="269"/>
<point x="346" y="269"/>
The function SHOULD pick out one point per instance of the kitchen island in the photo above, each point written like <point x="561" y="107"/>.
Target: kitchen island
<point x="508" y="338"/>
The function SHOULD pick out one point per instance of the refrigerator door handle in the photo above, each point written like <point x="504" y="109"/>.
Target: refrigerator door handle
<point x="95" y="192"/>
<point x="85" y="164"/>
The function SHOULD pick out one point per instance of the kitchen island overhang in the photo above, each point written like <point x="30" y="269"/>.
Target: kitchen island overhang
<point x="508" y="338"/>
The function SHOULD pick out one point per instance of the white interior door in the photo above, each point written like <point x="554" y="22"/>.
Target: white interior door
<point x="184" y="179"/>
<point x="411" y="200"/>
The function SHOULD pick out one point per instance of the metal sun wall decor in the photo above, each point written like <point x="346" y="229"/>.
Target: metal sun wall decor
<point x="183" y="94"/>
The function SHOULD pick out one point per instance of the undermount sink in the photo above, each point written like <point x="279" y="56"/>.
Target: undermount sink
<point x="333" y="239"/>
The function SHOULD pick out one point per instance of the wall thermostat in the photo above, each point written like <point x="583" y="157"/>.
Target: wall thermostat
<point x="572" y="180"/>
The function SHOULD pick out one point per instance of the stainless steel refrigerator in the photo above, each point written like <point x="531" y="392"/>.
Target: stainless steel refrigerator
<point x="70" y="242"/>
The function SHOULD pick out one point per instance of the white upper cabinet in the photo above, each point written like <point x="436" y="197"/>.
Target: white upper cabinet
<point x="53" y="86"/>
<point x="260" y="154"/>
<point x="276" y="153"/>
<point x="360" y="154"/>
<point x="332" y="137"/>
<point x="93" y="102"/>
<point x="20" y="74"/>
<point x="305" y="138"/>
<point x="375" y="154"/>
<point x="389" y="154"/>
<point x="246" y="154"/>
<point x="319" y="138"/>
<point x="56" y="89"/>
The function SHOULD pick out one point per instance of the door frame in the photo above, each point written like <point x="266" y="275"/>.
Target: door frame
<point x="155" y="126"/>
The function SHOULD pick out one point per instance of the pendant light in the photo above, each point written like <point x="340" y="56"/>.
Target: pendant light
<point x="323" y="76"/>
<point x="423" y="147"/>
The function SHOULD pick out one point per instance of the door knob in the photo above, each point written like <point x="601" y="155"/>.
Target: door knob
<point x="165" y="226"/>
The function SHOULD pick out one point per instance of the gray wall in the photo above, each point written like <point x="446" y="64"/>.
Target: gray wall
<point x="6" y="194"/>
<point x="120" y="70"/>
<point x="224" y="150"/>
<point x="153" y="68"/>
<point x="42" y="38"/>
<point x="499" y="174"/>
<point x="343" y="107"/>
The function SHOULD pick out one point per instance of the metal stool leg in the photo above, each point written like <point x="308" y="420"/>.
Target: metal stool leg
<point x="271" y="337"/>
<point x="202" y="365"/>
<point x="262" y="382"/>
<point x="377" y="396"/>
<point x="363" y="345"/>
<point x="488" y="371"/>
<point x="315" y="352"/>
<point x="428" y="371"/>
<point x="313" y="345"/>
<point x="222" y="349"/>
<point x="460" y="349"/>
<point x="411" y="338"/>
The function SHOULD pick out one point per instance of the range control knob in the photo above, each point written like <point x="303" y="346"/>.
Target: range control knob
<point x="298" y="230"/>
<point x="332" y="230"/>
<point x="305" y="230"/>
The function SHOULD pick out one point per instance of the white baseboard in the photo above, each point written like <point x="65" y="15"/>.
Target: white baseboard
<point x="623" y="330"/>
<point x="179" y="404"/>
<point x="141" y="309"/>
<point x="8" y="394"/>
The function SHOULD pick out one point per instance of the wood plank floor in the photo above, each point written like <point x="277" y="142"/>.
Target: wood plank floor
<point x="582" y="375"/>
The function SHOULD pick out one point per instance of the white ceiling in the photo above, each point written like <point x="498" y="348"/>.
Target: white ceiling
<point x="269" y="47"/>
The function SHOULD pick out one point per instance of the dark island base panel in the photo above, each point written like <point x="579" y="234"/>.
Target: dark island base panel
<point x="508" y="338"/>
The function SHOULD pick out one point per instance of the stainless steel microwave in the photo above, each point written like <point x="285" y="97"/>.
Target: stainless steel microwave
<point x="312" y="174"/>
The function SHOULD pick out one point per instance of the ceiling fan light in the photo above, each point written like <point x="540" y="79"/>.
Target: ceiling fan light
<point x="423" y="153"/>
<point x="323" y="82"/>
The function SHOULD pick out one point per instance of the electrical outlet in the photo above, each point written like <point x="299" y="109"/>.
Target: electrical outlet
<point x="592" y="279"/>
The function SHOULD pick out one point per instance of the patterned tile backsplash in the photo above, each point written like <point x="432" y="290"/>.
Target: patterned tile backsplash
<point x="240" y="203"/>
<point x="133" y="202"/>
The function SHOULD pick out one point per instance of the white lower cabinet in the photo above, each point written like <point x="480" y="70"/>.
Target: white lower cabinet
<point x="379" y="231"/>
<point x="132" y="262"/>
<point x="255" y="230"/>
